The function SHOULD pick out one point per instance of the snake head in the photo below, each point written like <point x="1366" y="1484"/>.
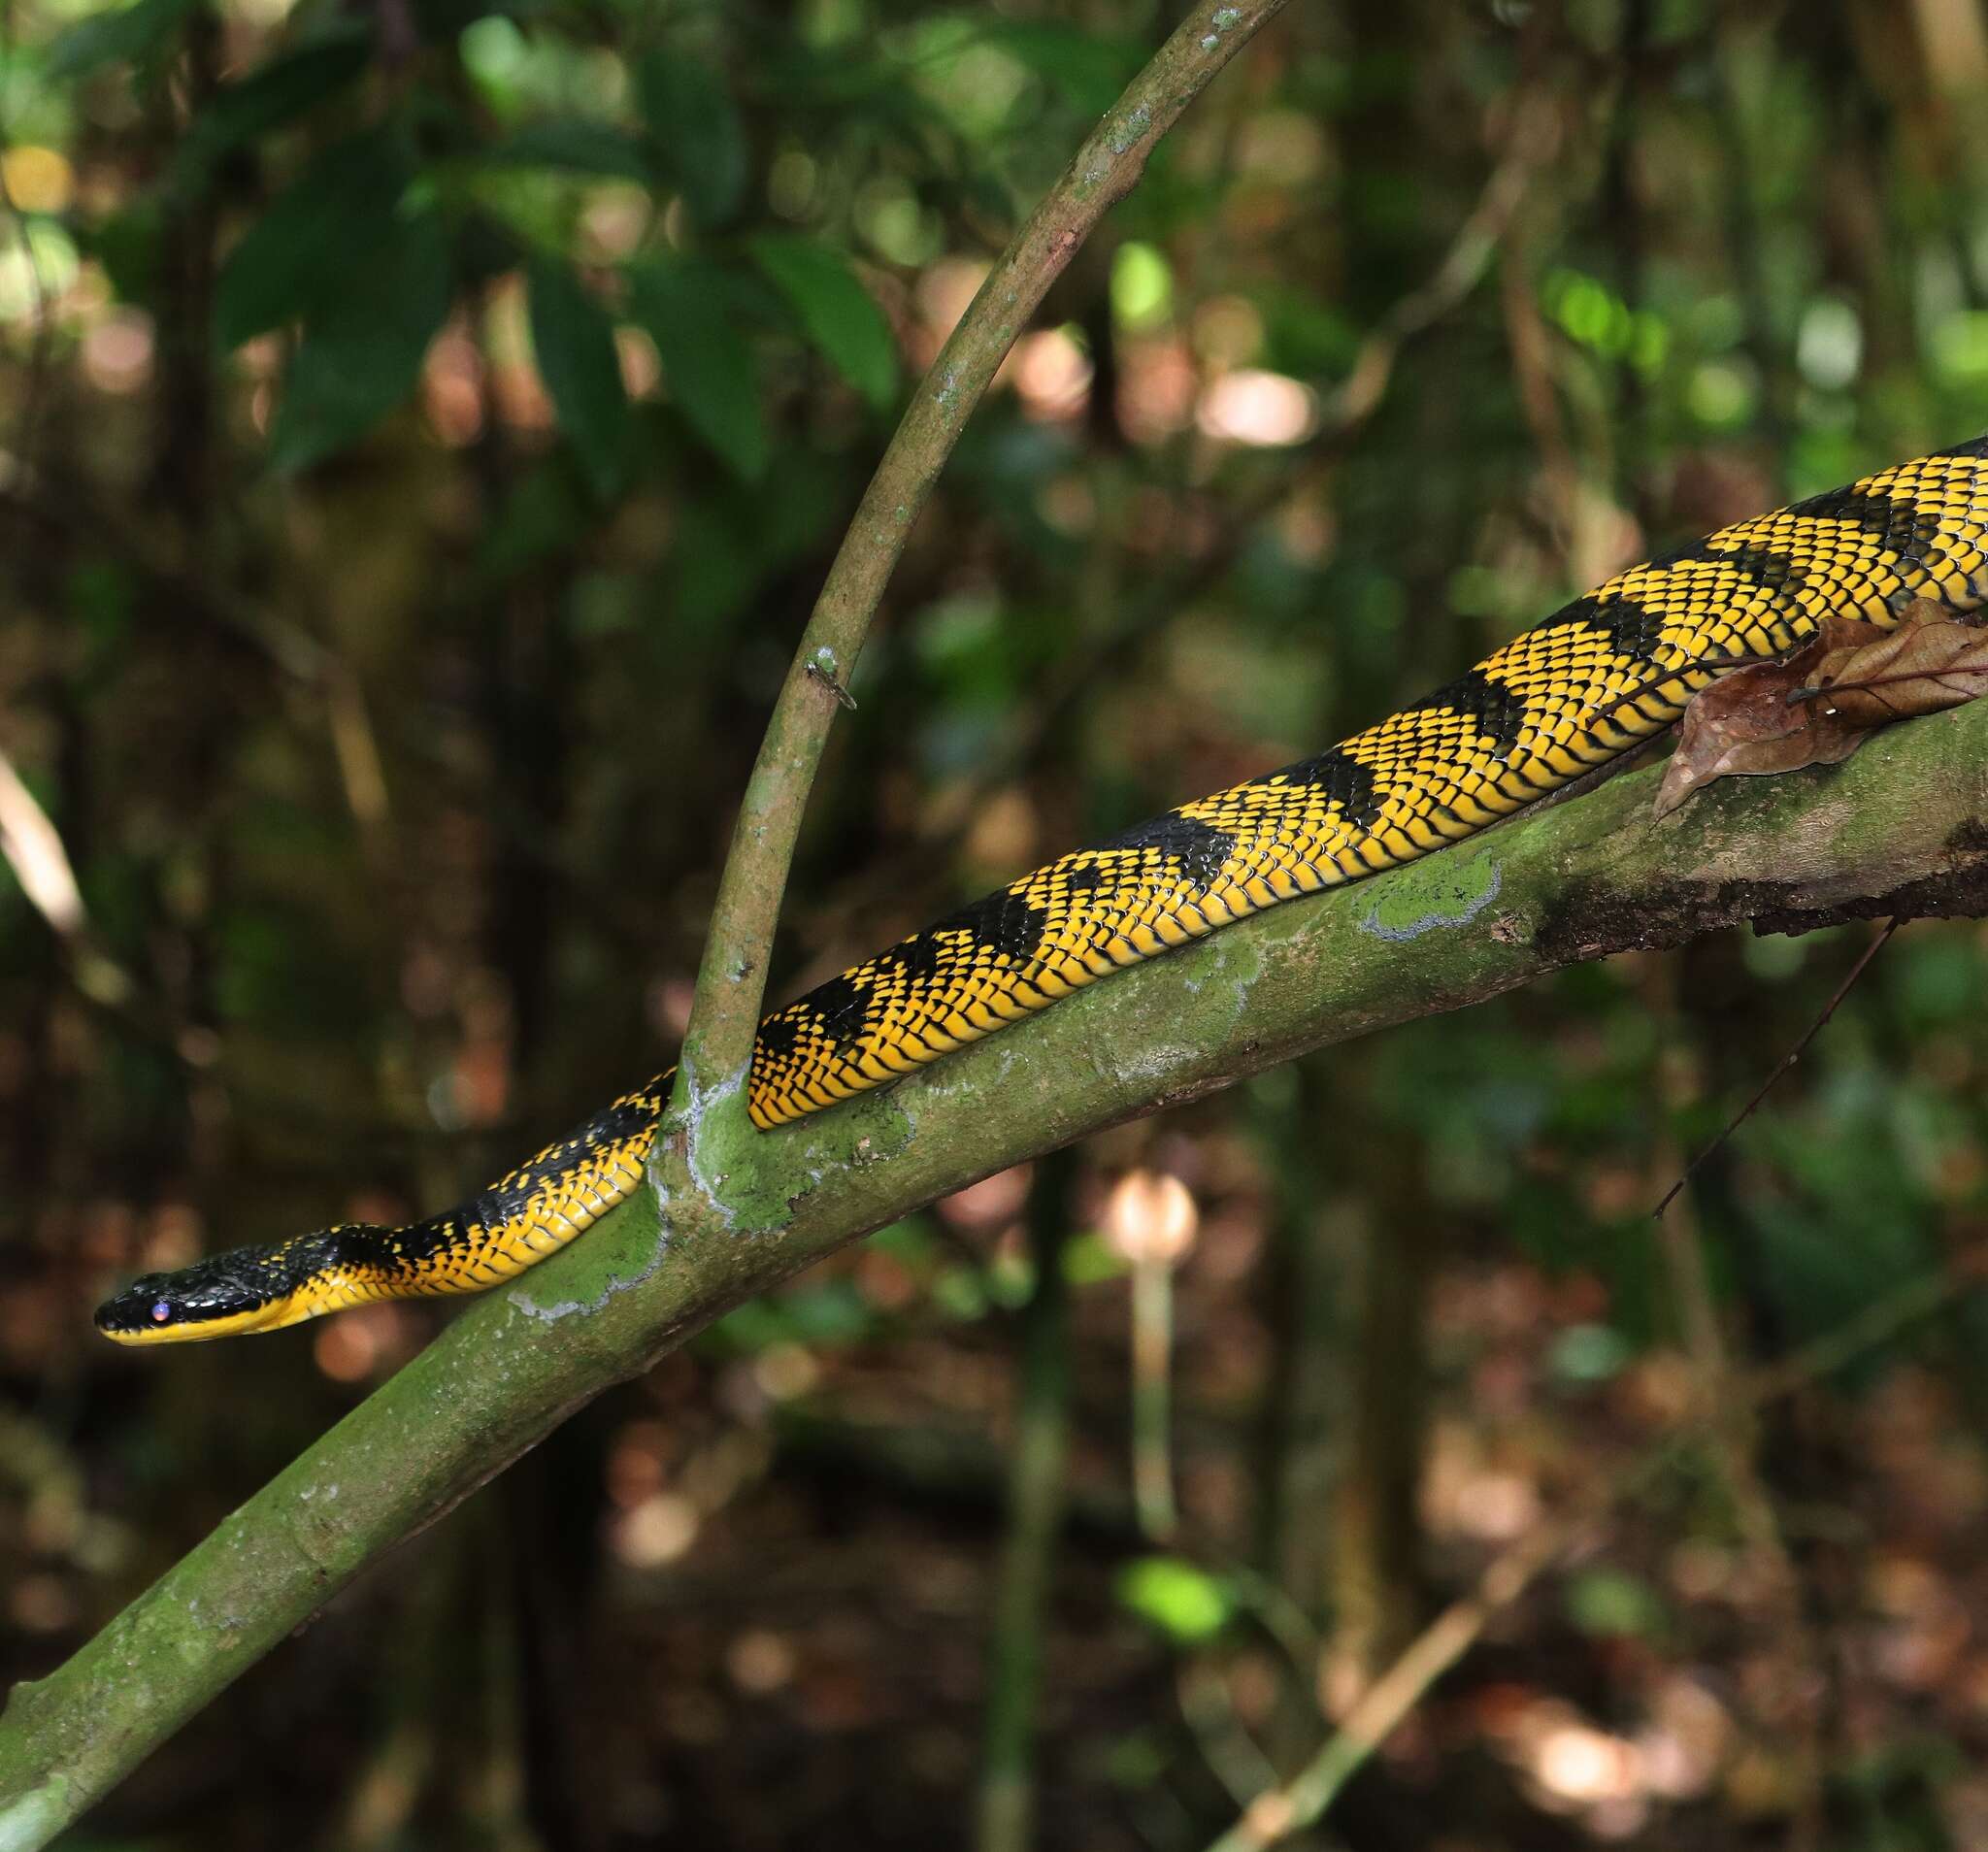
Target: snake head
<point x="261" y="1288"/>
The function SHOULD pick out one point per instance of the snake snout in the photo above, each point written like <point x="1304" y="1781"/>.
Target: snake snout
<point x="145" y="1305"/>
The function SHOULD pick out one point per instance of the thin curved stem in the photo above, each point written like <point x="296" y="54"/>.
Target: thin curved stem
<point x="731" y="980"/>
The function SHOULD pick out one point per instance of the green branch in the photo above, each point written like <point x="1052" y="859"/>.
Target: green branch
<point x="1902" y="829"/>
<point x="731" y="978"/>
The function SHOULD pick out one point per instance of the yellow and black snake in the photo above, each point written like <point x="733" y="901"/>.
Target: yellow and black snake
<point x="1592" y="682"/>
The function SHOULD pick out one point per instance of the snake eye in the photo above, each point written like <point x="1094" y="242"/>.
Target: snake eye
<point x="161" y="1310"/>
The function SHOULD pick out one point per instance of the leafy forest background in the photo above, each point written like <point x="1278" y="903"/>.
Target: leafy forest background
<point x="425" y="428"/>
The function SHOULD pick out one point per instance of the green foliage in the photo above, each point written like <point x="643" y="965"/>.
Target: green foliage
<point x="270" y="99"/>
<point x="304" y="255"/>
<point x="116" y="35"/>
<point x="363" y="342"/>
<point x="1612" y="1604"/>
<point x="1177" y="1597"/>
<point x="837" y="315"/>
<point x="698" y="133"/>
<point x="574" y="341"/>
<point x="687" y="307"/>
<point x="826" y="1313"/>
<point x="1086" y="68"/>
<point x="578" y="144"/>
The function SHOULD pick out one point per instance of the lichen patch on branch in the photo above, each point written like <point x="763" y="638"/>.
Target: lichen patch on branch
<point x="1429" y="896"/>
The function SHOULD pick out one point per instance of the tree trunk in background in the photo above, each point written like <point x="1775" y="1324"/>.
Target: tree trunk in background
<point x="1019" y="1611"/>
<point x="1376" y="1591"/>
<point x="542" y="1588"/>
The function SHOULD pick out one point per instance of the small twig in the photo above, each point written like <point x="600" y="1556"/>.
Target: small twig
<point x="1277" y="1812"/>
<point x="1786" y="1062"/>
<point x="731" y="979"/>
<point x="1232" y="1754"/>
<point x="1877" y="1323"/>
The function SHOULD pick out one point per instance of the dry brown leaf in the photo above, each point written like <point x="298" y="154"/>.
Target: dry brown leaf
<point x="1920" y="667"/>
<point x="1745" y="726"/>
<point x="1817" y="706"/>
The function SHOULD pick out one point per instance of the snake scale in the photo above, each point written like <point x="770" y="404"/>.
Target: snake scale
<point x="1590" y="683"/>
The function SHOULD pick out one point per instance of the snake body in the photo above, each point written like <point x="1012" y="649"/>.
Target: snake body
<point x="1592" y="682"/>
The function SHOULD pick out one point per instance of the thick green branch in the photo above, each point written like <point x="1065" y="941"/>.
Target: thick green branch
<point x="1902" y="829"/>
<point x="731" y="980"/>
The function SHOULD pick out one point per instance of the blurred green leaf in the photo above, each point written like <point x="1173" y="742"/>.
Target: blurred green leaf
<point x="362" y="353"/>
<point x="834" y="1312"/>
<point x="128" y="34"/>
<point x="698" y="132"/>
<point x="1612" y="1603"/>
<point x="574" y="342"/>
<point x="101" y="599"/>
<point x="750" y="530"/>
<point x="1180" y="1599"/>
<point x="279" y="93"/>
<point x="683" y="302"/>
<point x="1301" y="336"/>
<point x="1939" y="983"/>
<point x="316" y="241"/>
<point x="576" y="143"/>
<point x="1142" y="287"/>
<point x="1589" y="1354"/>
<point x="1819" y="1269"/>
<point x="837" y="315"/>
<point x="1089" y="1259"/>
<point x="127" y="245"/>
<point x="1088" y="69"/>
<point x="544" y="510"/>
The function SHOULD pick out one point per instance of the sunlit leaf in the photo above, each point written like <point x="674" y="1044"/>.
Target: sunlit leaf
<point x="698" y="132"/>
<point x="574" y="342"/>
<point x="317" y="240"/>
<point x="1180" y="1599"/>
<point x="837" y="315"/>
<point x="707" y="363"/>
<point x="362" y="353"/>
